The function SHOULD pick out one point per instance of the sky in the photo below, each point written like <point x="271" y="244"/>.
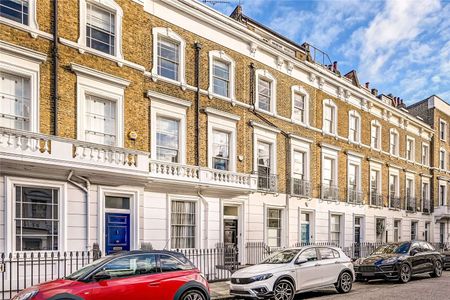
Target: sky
<point x="399" y="46"/>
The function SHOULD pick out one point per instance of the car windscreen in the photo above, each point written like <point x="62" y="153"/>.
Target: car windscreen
<point x="281" y="257"/>
<point x="86" y="269"/>
<point x="401" y="248"/>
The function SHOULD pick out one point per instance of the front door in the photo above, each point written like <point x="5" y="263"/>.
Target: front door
<point x="230" y="240"/>
<point x="117" y="232"/>
<point x="357" y="236"/>
<point x="305" y="229"/>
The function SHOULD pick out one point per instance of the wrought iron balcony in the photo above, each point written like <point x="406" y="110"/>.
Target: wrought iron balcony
<point x="394" y="202"/>
<point x="300" y="188"/>
<point x="329" y="192"/>
<point x="426" y="205"/>
<point x="354" y="196"/>
<point x="376" y="199"/>
<point x="410" y="204"/>
<point x="268" y="183"/>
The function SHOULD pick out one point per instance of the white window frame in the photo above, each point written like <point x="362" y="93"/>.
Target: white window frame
<point x="410" y="176"/>
<point x="296" y="89"/>
<point x="341" y="226"/>
<point x="444" y="160"/>
<point x="111" y="6"/>
<point x="375" y="167"/>
<point x="10" y="211"/>
<point x="198" y="217"/>
<point x="377" y="124"/>
<point x="26" y="63"/>
<point x="102" y="85"/>
<point x="442" y="130"/>
<point x="170" y="107"/>
<point x="222" y="56"/>
<point x="357" y="115"/>
<point x="168" y="33"/>
<point x="264" y="74"/>
<point x="397" y="145"/>
<point x="32" y="27"/>
<point x="282" y="221"/>
<point x="328" y="102"/>
<point x="425" y="180"/>
<point x="332" y="154"/>
<point x="301" y="145"/>
<point x="312" y="224"/>
<point x="265" y="134"/>
<point x="413" y="148"/>
<point x="396" y="173"/>
<point x="427" y="154"/>
<point x="442" y="201"/>
<point x="354" y="160"/>
<point x="225" y="122"/>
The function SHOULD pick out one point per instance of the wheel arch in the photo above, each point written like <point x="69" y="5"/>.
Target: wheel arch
<point x="286" y="277"/>
<point x="191" y="285"/>
<point x="348" y="270"/>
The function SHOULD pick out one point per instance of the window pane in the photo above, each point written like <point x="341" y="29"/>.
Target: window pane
<point x="100" y="29"/>
<point x="131" y="266"/>
<point x="117" y="202"/>
<point x="274" y="227"/>
<point x="15" y="101"/>
<point x="299" y="164"/>
<point x="183" y="221"/>
<point x="170" y="264"/>
<point x="264" y="91"/>
<point x="168" y="58"/>
<point x="16" y="10"/>
<point x="100" y="120"/>
<point x="167" y="139"/>
<point x="263" y="154"/>
<point x="36" y="218"/>
<point x="220" y="150"/>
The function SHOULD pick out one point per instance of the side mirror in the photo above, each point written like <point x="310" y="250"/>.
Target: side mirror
<point x="102" y="275"/>
<point x="414" y="252"/>
<point x="300" y="260"/>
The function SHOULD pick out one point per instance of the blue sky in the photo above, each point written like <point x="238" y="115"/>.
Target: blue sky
<point x="399" y="46"/>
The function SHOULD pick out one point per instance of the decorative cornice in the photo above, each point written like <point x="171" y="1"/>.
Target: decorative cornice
<point x="23" y="52"/>
<point x="171" y="99"/>
<point x="220" y="113"/>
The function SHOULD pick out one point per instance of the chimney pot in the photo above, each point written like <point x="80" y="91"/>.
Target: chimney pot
<point x="367" y="84"/>
<point x="375" y="92"/>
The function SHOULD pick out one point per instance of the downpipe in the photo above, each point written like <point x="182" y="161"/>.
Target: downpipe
<point x="206" y="213"/>
<point x="86" y="190"/>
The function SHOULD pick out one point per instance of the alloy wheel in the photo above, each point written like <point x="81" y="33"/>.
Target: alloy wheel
<point x="438" y="268"/>
<point x="346" y="282"/>
<point x="284" y="291"/>
<point x="193" y="295"/>
<point x="405" y="273"/>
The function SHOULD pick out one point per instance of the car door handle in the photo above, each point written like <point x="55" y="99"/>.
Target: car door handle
<point x="337" y="262"/>
<point x="317" y="265"/>
<point x="154" y="283"/>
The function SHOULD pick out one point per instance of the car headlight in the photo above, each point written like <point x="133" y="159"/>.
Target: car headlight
<point x="25" y="296"/>
<point x="388" y="261"/>
<point x="261" y="277"/>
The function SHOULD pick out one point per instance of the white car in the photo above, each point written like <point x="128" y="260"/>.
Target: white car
<point x="294" y="270"/>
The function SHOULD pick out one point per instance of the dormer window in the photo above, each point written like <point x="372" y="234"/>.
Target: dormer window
<point x="265" y="91"/>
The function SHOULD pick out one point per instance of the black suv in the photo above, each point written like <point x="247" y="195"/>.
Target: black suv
<point x="400" y="261"/>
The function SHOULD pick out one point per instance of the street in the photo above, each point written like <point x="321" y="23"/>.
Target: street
<point x="421" y="287"/>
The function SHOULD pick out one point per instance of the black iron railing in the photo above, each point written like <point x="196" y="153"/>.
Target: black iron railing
<point x="329" y="192"/>
<point x="354" y="196"/>
<point x="268" y="183"/>
<point x="394" y="202"/>
<point x="376" y="199"/>
<point x="301" y="188"/>
<point x="410" y="204"/>
<point x="426" y="207"/>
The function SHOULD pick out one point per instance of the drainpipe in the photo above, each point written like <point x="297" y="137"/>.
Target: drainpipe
<point x="198" y="47"/>
<point x="205" y="203"/>
<point x="55" y="66"/>
<point x="86" y="190"/>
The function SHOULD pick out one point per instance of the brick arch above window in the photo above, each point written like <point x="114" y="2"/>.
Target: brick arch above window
<point x="108" y="6"/>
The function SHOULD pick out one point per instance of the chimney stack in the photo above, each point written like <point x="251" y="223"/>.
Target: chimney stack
<point x="375" y="92"/>
<point x="335" y="66"/>
<point x="367" y="84"/>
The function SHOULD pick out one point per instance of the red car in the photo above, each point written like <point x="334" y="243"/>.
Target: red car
<point x="127" y="276"/>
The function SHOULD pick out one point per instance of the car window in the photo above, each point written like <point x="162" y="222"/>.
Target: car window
<point x="336" y="254"/>
<point x="131" y="266"/>
<point x="170" y="264"/>
<point x="309" y="254"/>
<point x="326" y="253"/>
<point x="415" y="246"/>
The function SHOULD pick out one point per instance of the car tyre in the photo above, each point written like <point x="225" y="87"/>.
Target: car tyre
<point x="344" y="283"/>
<point x="404" y="273"/>
<point x="193" y="295"/>
<point x="283" y="290"/>
<point x="437" y="270"/>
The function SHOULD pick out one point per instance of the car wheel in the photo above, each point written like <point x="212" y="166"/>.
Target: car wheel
<point x="345" y="282"/>
<point x="192" y="295"/>
<point x="437" y="271"/>
<point x="284" y="290"/>
<point x="405" y="273"/>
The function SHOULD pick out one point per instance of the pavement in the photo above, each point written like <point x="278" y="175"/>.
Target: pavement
<point x="421" y="287"/>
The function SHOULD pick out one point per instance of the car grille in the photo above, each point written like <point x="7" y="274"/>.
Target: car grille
<point x="367" y="269"/>
<point x="241" y="280"/>
<point x="387" y="268"/>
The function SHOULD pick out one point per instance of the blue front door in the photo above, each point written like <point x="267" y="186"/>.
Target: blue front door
<point x="305" y="233"/>
<point x="117" y="235"/>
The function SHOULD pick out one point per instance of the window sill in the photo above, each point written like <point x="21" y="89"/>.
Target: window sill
<point x="34" y="32"/>
<point x="83" y="49"/>
<point x="265" y="112"/>
<point x="183" y="85"/>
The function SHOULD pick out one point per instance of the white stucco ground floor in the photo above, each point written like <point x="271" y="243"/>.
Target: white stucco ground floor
<point x="71" y="215"/>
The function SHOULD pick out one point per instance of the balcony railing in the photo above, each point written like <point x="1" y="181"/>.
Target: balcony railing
<point x="376" y="199"/>
<point x="410" y="204"/>
<point x="394" y="202"/>
<point x="354" y="196"/>
<point x="329" y="192"/>
<point x="199" y="175"/>
<point x="426" y="205"/>
<point x="268" y="183"/>
<point x="300" y="188"/>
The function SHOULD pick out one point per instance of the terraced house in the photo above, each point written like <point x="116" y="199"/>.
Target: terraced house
<point x="161" y="121"/>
